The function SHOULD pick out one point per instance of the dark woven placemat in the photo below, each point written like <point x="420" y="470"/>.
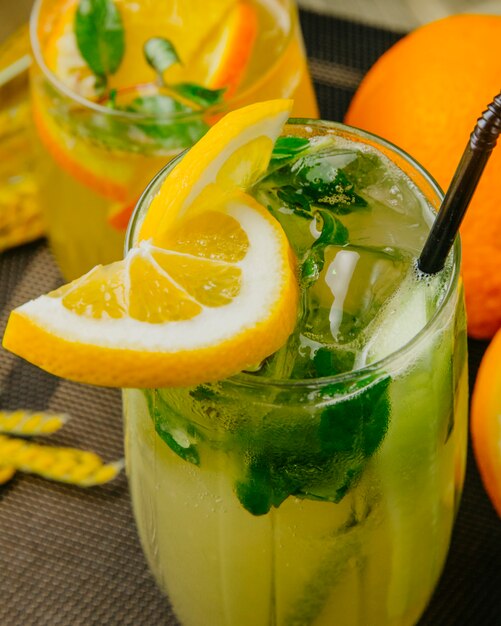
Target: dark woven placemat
<point x="71" y="557"/>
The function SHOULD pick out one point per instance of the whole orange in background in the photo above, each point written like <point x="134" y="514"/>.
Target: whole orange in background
<point x="486" y="421"/>
<point x="425" y="94"/>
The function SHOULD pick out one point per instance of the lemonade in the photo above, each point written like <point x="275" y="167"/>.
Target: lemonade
<point x="107" y="125"/>
<point x="295" y="390"/>
<point x="321" y="487"/>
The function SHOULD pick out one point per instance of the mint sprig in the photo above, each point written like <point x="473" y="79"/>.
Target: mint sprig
<point x="173" y="114"/>
<point x="319" y="460"/>
<point x="160" y="54"/>
<point x="319" y="457"/>
<point x="174" y="119"/>
<point x="169" y="122"/>
<point x="100" y="37"/>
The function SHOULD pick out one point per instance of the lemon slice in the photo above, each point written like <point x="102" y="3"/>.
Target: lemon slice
<point x="211" y="295"/>
<point x="223" y="57"/>
<point x="232" y="155"/>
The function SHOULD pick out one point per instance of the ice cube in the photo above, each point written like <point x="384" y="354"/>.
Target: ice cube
<point x="352" y="287"/>
<point x="404" y="315"/>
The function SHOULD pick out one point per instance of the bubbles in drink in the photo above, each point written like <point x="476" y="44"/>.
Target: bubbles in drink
<point x="357" y="223"/>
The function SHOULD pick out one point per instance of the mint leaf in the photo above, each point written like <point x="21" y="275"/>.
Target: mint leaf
<point x="329" y="362"/>
<point x="357" y="425"/>
<point x="111" y="102"/>
<point x="197" y="94"/>
<point x="177" y="432"/>
<point x="286" y="148"/>
<point x="160" y="54"/>
<point x="337" y="193"/>
<point x="171" y="123"/>
<point x="334" y="232"/>
<point x="295" y="200"/>
<point x="314" y="458"/>
<point x="100" y="36"/>
<point x="255" y="493"/>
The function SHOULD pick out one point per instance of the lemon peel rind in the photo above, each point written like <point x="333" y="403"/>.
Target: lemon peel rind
<point x="97" y="365"/>
<point x="260" y="290"/>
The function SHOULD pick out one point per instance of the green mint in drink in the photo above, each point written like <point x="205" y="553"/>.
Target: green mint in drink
<point x="100" y="37"/>
<point x="337" y="203"/>
<point x="319" y="486"/>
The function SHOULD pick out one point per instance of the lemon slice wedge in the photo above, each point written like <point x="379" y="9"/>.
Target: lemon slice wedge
<point x="232" y="155"/>
<point x="213" y="293"/>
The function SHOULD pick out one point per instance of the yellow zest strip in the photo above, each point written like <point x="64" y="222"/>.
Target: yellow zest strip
<point x="28" y="423"/>
<point x="68" y="465"/>
<point x="6" y="473"/>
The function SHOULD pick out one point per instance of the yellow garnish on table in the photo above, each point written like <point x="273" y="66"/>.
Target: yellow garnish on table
<point x="67" y="465"/>
<point x="29" y="423"/>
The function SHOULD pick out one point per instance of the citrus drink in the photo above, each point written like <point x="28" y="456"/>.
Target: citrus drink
<point x="295" y="391"/>
<point x="106" y="125"/>
<point x="320" y="486"/>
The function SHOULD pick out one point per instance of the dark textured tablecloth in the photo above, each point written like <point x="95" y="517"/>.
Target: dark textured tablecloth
<point x="71" y="557"/>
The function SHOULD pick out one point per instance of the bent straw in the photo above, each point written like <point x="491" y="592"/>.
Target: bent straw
<point x="458" y="196"/>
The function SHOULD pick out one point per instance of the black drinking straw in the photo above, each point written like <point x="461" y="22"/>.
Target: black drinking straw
<point x="458" y="196"/>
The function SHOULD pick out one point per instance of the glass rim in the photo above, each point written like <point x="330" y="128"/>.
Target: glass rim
<point x="381" y="366"/>
<point x="102" y="109"/>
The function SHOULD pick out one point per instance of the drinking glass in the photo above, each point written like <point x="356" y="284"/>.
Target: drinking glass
<point x="381" y="450"/>
<point x="94" y="160"/>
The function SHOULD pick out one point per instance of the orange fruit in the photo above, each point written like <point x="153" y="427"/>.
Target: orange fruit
<point x="200" y="296"/>
<point x="486" y="421"/>
<point x="425" y="95"/>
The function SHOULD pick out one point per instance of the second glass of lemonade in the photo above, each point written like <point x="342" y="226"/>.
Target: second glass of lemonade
<point x="105" y="125"/>
<point x="321" y="488"/>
